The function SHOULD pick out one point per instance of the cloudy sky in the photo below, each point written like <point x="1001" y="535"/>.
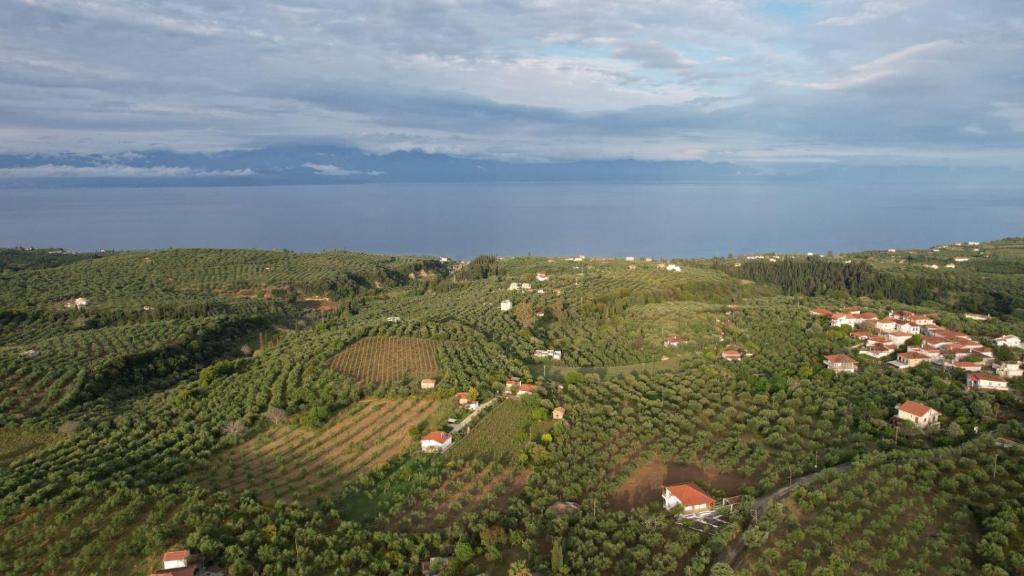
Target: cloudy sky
<point x="750" y="81"/>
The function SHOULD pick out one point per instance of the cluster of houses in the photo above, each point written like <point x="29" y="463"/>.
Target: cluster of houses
<point x="180" y="562"/>
<point x="939" y="346"/>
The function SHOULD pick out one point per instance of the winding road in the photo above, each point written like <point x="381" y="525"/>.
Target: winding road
<point x="729" y="554"/>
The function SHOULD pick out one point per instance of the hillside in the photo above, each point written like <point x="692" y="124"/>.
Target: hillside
<point x="268" y="410"/>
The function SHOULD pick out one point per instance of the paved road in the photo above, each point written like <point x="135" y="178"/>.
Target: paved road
<point x="729" y="554"/>
<point x="465" y="421"/>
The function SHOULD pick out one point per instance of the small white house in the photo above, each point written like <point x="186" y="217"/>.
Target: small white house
<point x="542" y="277"/>
<point x="436" y="441"/>
<point x="687" y="498"/>
<point x="1009" y="369"/>
<point x="918" y="414"/>
<point x="1008" y="340"/>
<point x="673" y="268"/>
<point x="505" y="305"/>
<point x="428" y="384"/>
<point x="175" y="559"/>
<point x="985" y="381"/>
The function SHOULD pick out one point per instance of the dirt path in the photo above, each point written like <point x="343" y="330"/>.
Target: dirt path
<point x="732" y="551"/>
<point x="458" y="427"/>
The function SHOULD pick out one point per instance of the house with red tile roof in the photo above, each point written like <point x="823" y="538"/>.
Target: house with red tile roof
<point x="986" y="381"/>
<point x="462" y="398"/>
<point x="177" y="562"/>
<point x="689" y="497"/>
<point x="841" y="363"/>
<point x="436" y="441"/>
<point x="526" y="389"/>
<point x="671" y="340"/>
<point x="732" y="355"/>
<point x="820" y="312"/>
<point x="918" y="414"/>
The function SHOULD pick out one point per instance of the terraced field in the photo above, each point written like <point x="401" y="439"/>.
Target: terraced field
<point x="384" y="359"/>
<point x="303" y="464"/>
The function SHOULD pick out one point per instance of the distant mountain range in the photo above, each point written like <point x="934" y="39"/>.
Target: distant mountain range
<point x="326" y="164"/>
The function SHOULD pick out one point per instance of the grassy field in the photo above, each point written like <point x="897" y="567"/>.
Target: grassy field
<point x="296" y="463"/>
<point x="499" y="435"/>
<point x="15" y="443"/>
<point x="384" y="359"/>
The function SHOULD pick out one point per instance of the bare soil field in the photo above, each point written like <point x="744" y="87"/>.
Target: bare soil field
<point x="644" y="484"/>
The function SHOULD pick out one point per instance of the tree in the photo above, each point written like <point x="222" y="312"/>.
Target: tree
<point x="721" y="569"/>
<point x="557" y="562"/>
<point x="519" y="568"/>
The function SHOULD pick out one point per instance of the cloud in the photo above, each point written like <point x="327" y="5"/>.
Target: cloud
<point x="114" y="171"/>
<point x="869" y="11"/>
<point x="904" y="61"/>
<point x="332" y="170"/>
<point x="518" y="79"/>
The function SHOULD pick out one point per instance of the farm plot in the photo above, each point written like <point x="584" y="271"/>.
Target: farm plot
<point x="385" y="359"/>
<point x="304" y="464"/>
<point x="474" y="486"/>
<point x="499" y="435"/>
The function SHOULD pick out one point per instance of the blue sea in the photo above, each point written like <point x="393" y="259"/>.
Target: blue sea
<point x="463" y="220"/>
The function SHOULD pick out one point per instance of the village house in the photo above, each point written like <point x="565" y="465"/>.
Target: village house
<point x="985" y="381"/>
<point x="918" y="414"/>
<point x="436" y="441"/>
<point x="732" y="355"/>
<point x="906" y="360"/>
<point x="1007" y="340"/>
<point x="525" y="389"/>
<point x="861" y="334"/>
<point x="552" y="354"/>
<point x="393" y="319"/>
<point x="841" y="363"/>
<point x="978" y="317"/>
<point x="820" y="312"/>
<point x="505" y="305"/>
<point x="907" y="327"/>
<point x="875" y="351"/>
<point x="852" y="318"/>
<point x="965" y="366"/>
<point x="462" y="398"/>
<point x="177" y="563"/>
<point x="671" y="340"/>
<point x="887" y="324"/>
<point x="692" y="499"/>
<point x="511" y="384"/>
<point x="673" y="268"/>
<point x="1009" y="369"/>
<point x="428" y="384"/>
<point x="542" y="277"/>
<point x="899" y="338"/>
<point x="558" y="413"/>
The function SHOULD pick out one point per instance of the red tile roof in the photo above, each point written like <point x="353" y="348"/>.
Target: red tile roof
<point x="437" y="436"/>
<point x="527" y="388"/>
<point x="172" y="555"/>
<point x="984" y="376"/>
<point x="839" y="359"/>
<point x="690" y="495"/>
<point x="915" y="408"/>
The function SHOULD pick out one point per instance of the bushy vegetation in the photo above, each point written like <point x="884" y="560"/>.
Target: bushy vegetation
<point x="198" y="400"/>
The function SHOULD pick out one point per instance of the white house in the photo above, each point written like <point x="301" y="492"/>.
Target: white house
<point x="978" y="317"/>
<point x="673" y="268"/>
<point x="175" y="559"/>
<point x="552" y="354"/>
<point x="671" y="340"/>
<point x="841" y="363"/>
<point x="505" y="305"/>
<point x="1008" y="340"/>
<point x="428" y="384"/>
<point x="918" y="414"/>
<point x="435" y="441"/>
<point x="558" y="413"/>
<point x="393" y="319"/>
<point x="689" y="497"/>
<point x="985" y="381"/>
<point x="513" y="287"/>
<point x="542" y="277"/>
<point x="1009" y="369"/>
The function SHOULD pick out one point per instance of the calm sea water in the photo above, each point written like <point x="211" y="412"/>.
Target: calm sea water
<point x="463" y="220"/>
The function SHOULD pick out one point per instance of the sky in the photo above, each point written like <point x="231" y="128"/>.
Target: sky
<point x="767" y="82"/>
